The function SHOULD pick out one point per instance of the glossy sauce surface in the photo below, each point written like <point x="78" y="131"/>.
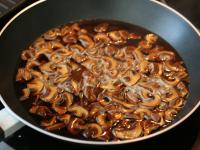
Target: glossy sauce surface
<point x="102" y="80"/>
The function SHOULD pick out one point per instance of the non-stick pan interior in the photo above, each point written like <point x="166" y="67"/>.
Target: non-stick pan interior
<point x="29" y="25"/>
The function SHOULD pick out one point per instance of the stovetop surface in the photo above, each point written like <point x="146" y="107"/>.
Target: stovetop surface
<point x="182" y="137"/>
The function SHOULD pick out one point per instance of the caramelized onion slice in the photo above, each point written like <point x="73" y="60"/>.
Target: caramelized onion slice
<point x="128" y="133"/>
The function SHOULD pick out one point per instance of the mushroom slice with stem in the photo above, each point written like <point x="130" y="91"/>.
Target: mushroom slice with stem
<point x="65" y="118"/>
<point x="56" y="126"/>
<point x="152" y="102"/>
<point x="92" y="130"/>
<point x="182" y="89"/>
<point x="51" y="92"/>
<point x="101" y="37"/>
<point x="171" y="95"/>
<point x="36" y="85"/>
<point x="78" y="111"/>
<point x="59" y="105"/>
<point x="49" y="122"/>
<point x="126" y="134"/>
<point x="86" y="41"/>
<point x="76" y="125"/>
<point x="77" y="48"/>
<point x="101" y="27"/>
<point x="130" y="79"/>
<point x="170" y="114"/>
<point x="40" y="110"/>
<point x="26" y="93"/>
<point x="52" y="34"/>
<point x="125" y="104"/>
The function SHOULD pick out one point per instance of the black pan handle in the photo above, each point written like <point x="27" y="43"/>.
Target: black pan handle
<point x="8" y="124"/>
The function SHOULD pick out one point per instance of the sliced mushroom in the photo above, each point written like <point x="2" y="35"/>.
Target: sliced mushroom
<point x="36" y="86"/>
<point x="125" y="104"/>
<point x="151" y="38"/>
<point x="59" y="105"/>
<point x="101" y="27"/>
<point x="183" y="91"/>
<point x="86" y="41"/>
<point x="26" y="93"/>
<point x="52" y="34"/>
<point x="49" y="122"/>
<point x="172" y="95"/>
<point x="26" y="54"/>
<point x="23" y="74"/>
<point x="78" y="111"/>
<point x="101" y="37"/>
<point x="76" y="125"/>
<point x="65" y="118"/>
<point x="128" y="134"/>
<point x="40" y="110"/>
<point x="166" y="55"/>
<point x="51" y="92"/>
<point x="153" y="102"/>
<point x="149" y="127"/>
<point x="130" y="79"/>
<point x="92" y="130"/>
<point x="56" y="126"/>
<point x="77" y="48"/>
<point x="169" y="114"/>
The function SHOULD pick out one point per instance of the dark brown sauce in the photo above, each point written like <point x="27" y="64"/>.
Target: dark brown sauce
<point x="77" y="75"/>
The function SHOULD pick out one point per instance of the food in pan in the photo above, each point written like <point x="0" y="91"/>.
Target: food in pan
<point x="102" y="81"/>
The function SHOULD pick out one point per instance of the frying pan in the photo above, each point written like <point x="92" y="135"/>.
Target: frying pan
<point x="42" y="15"/>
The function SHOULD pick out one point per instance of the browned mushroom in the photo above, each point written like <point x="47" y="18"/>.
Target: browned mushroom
<point x="169" y="114"/>
<point x="49" y="122"/>
<point x="92" y="130"/>
<point x="36" y="85"/>
<point x="172" y="95"/>
<point x="40" y="110"/>
<point x="86" y="41"/>
<point x="23" y="74"/>
<point x="77" y="48"/>
<point x="102" y="81"/>
<point x="130" y="79"/>
<point x="76" y="125"/>
<point x="101" y="37"/>
<point x="78" y="111"/>
<point x="128" y="133"/>
<point x="56" y="126"/>
<point x="65" y="118"/>
<point x="101" y="27"/>
<point x="51" y="92"/>
<point x="52" y="34"/>
<point x="151" y="38"/>
<point x="152" y="102"/>
<point x="26" y="93"/>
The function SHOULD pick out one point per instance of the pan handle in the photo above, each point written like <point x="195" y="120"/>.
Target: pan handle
<point x="8" y="124"/>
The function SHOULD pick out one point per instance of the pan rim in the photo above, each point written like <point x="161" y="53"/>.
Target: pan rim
<point x="97" y="142"/>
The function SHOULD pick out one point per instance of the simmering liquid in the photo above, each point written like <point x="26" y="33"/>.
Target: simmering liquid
<point x="101" y="80"/>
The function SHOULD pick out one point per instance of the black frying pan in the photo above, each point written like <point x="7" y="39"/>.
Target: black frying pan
<point x="37" y="18"/>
